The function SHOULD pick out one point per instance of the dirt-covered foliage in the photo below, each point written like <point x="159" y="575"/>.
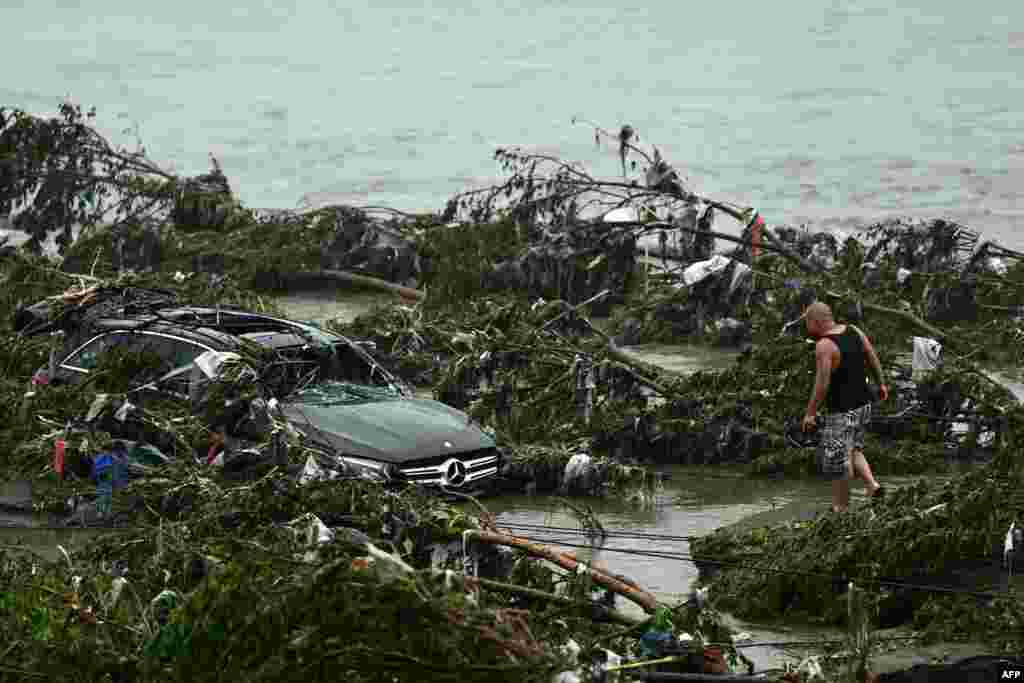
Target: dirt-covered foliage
<point x="946" y="535"/>
<point x="242" y="587"/>
<point x="219" y="576"/>
<point x="213" y="576"/>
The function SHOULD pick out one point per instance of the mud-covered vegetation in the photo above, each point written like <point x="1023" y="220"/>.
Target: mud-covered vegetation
<point x="514" y="304"/>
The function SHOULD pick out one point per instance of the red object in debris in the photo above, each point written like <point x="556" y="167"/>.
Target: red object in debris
<point x="214" y="451"/>
<point x="58" y="457"/>
<point x="217" y="439"/>
<point x="714" y="662"/>
<point x="756" y="226"/>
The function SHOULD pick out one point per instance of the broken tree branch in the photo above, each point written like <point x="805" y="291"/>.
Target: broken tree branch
<point x="773" y="244"/>
<point x="363" y="281"/>
<point x="907" y="316"/>
<point x="640" y="597"/>
<point x="610" y="614"/>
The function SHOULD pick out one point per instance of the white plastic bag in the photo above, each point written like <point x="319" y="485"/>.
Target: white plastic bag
<point x="701" y="270"/>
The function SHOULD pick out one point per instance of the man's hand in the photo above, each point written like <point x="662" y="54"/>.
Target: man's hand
<point x="884" y="391"/>
<point x="808" y="423"/>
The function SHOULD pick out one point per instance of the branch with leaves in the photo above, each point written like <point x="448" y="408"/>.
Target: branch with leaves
<point x="60" y="173"/>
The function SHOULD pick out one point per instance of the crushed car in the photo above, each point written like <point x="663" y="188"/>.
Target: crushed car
<point x="364" y="420"/>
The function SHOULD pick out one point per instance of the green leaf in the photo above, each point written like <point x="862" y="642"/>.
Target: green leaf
<point x="40" y="619"/>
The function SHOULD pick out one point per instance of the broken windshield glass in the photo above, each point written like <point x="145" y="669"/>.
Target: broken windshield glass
<point x="342" y="393"/>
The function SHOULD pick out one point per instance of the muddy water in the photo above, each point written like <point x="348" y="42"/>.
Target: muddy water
<point x="693" y="502"/>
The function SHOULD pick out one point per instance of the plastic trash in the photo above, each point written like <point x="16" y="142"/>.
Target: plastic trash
<point x="926" y="357"/>
<point x="58" y="457"/>
<point x="211" y="361"/>
<point x="1010" y="543"/>
<point x="652" y="642"/>
<point x="147" y="454"/>
<point x="700" y="271"/>
<point x="997" y="265"/>
<point x="659" y="635"/>
<point x="122" y="413"/>
<point x="625" y="214"/>
<point x="739" y="273"/>
<point x="580" y="474"/>
<point x="109" y="470"/>
<point x="96" y="407"/>
<point x="313" y="531"/>
<point x="312" y="471"/>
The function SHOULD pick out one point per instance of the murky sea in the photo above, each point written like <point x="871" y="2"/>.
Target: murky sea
<point x="833" y="113"/>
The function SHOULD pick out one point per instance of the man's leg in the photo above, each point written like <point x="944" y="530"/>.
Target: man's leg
<point x="840" y="495"/>
<point x="834" y="454"/>
<point x="862" y="470"/>
<point x="859" y="462"/>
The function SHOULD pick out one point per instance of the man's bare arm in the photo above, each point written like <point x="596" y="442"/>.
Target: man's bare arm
<point x="869" y="349"/>
<point x="823" y="363"/>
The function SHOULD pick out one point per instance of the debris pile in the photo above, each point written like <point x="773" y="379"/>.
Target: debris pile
<point x="233" y="521"/>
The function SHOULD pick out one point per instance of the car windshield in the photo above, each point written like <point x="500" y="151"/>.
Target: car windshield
<point x="332" y="393"/>
<point x="319" y="335"/>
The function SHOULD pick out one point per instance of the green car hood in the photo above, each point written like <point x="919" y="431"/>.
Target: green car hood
<point x="396" y="430"/>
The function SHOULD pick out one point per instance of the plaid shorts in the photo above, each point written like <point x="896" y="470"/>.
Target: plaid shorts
<point x="840" y="434"/>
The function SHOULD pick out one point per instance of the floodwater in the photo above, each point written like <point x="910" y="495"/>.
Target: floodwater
<point x="693" y="501"/>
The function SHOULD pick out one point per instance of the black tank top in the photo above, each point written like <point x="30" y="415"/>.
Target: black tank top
<point x="848" y="387"/>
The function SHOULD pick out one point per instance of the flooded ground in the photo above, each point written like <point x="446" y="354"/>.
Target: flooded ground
<point x="649" y="537"/>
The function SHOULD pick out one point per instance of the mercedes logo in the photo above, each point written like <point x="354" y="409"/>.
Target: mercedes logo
<point x="454" y="473"/>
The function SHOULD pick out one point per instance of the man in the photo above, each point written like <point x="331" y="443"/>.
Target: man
<point x="843" y="355"/>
